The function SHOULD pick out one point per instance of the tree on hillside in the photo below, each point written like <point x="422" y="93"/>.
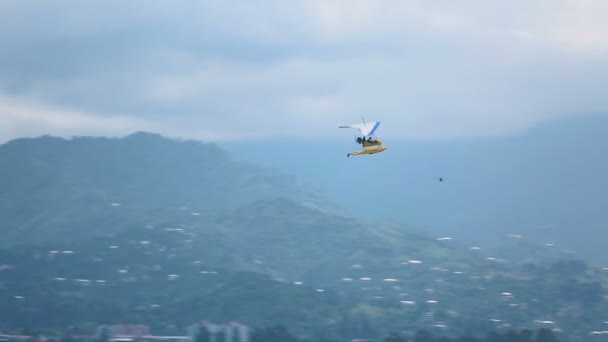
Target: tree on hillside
<point x="220" y="336"/>
<point x="587" y="293"/>
<point x="357" y="327"/>
<point x="526" y="335"/>
<point x="494" y="337"/>
<point x="442" y="339"/>
<point x="467" y="338"/>
<point x="546" y="335"/>
<point x="277" y="333"/>
<point x="67" y="338"/>
<point x="324" y="339"/>
<point x="543" y="335"/>
<point x="395" y="337"/>
<point x="104" y="334"/>
<point x="202" y="335"/>
<point x="569" y="268"/>
<point x="423" y="336"/>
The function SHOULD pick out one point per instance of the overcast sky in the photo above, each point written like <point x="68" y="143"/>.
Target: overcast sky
<point x="239" y="69"/>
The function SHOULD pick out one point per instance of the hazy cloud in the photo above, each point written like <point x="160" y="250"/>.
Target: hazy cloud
<point x="27" y="120"/>
<point x="237" y="69"/>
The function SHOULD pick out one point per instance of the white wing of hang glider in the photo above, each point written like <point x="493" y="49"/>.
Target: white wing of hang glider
<point x="366" y="128"/>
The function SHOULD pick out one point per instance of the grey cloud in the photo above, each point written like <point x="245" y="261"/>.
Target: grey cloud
<point x="429" y="70"/>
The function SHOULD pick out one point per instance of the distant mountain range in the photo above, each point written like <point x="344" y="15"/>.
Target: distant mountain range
<point x="548" y="184"/>
<point x="56" y="188"/>
<point x="146" y="229"/>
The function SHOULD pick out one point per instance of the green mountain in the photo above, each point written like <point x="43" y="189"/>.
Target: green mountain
<point x="56" y="188"/>
<point x="150" y="230"/>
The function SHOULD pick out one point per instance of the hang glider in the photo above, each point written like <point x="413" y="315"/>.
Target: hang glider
<point x="369" y="143"/>
<point x="366" y="129"/>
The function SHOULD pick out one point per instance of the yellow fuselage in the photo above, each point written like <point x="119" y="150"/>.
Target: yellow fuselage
<point x="370" y="148"/>
<point x="369" y="151"/>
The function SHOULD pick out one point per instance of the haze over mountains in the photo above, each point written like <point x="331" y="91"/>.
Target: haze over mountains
<point x="182" y="231"/>
<point x="548" y="183"/>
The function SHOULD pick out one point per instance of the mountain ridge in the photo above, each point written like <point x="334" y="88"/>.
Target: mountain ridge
<point x="143" y="171"/>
